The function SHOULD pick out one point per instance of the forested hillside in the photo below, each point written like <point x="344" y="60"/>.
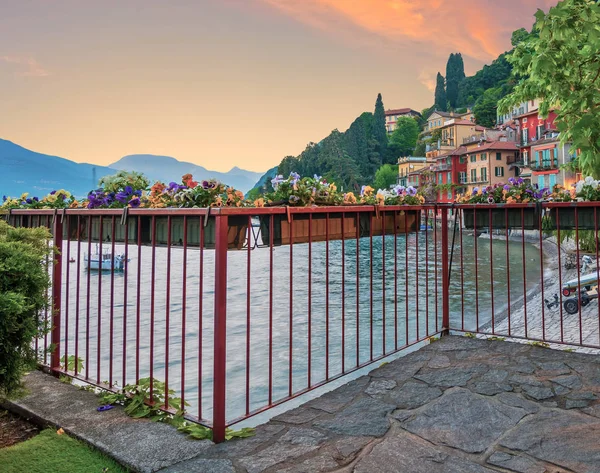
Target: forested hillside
<point x="348" y="158"/>
<point x="481" y="91"/>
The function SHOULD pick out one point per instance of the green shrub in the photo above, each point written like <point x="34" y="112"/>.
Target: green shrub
<point x="23" y="286"/>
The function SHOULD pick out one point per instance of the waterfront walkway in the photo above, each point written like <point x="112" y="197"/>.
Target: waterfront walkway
<point x="458" y="405"/>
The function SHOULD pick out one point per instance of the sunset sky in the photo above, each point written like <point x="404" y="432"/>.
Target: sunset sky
<point x="225" y="83"/>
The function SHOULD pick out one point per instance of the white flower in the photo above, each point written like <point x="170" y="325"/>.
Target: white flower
<point x="579" y="186"/>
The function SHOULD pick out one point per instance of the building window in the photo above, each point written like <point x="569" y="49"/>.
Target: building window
<point x="473" y="158"/>
<point x="526" y="157"/>
<point x="462" y="177"/>
<point x="499" y="171"/>
<point x="484" y="156"/>
<point x="473" y="175"/>
<point x="462" y="160"/>
<point x="484" y="174"/>
<point x="449" y="178"/>
<point x="498" y="156"/>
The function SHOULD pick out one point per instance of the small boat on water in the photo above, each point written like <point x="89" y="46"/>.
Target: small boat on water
<point x="105" y="262"/>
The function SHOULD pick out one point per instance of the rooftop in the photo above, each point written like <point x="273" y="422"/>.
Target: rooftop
<point x="495" y="145"/>
<point x="400" y="111"/>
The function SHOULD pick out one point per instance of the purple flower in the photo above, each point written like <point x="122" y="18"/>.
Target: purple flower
<point x="128" y="190"/>
<point x="411" y="191"/>
<point x="475" y="190"/>
<point x="484" y="191"/>
<point x="135" y="202"/>
<point x="511" y="181"/>
<point x="490" y="200"/>
<point x="36" y="199"/>
<point x="4" y="198"/>
<point x="53" y="192"/>
<point x="122" y="197"/>
<point x="29" y="201"/>
<point x="520" y="181"/>
<point x="507" y="187"/>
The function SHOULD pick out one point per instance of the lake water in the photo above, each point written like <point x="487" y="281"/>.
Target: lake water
<point x="370" y="307"/>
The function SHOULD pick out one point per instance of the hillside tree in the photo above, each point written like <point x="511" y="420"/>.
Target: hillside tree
<point x="440" y="94"/>
<point x="379" y="130"/>
<point x="455" y="74"/>
<point x="561" y="67"/>
<point x="386" y="176"/>
<point x="404" y="138"/>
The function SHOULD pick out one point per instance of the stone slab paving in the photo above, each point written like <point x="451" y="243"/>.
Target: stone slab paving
<point x="457" y="405"/>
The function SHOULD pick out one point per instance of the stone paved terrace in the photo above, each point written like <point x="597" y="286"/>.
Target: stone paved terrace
<point x="458" y="405"/>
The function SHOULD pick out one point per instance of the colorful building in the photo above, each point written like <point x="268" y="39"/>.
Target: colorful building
<point x="407" y="165"/>
<point x="454" y="132"/>
<point x="391" y="117"/>
<point x="451" y="173"/>
<point x="490" y="162"/>
<point x="541" y="153"/>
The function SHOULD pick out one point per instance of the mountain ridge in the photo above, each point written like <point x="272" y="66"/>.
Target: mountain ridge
<point x="24" y="170"/>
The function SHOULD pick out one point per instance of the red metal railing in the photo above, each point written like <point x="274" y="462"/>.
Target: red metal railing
<point x="241" y="310"/>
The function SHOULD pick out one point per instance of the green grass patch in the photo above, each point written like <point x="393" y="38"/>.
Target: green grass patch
<point x="50" y="452"/>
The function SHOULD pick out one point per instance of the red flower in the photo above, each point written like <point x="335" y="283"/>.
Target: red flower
<point x="188" y="181"/>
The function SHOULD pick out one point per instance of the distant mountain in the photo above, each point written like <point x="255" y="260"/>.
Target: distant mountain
<point x="270" y="174"/>
<point x="23" y="170"/>
<point x="166" y="168"/>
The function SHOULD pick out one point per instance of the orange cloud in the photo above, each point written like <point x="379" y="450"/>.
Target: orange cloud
<point x="477" y="28"/>
<point x="31" y="66"/>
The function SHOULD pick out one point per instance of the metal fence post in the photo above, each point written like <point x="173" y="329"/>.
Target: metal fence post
<point x="445" y="275"/>
<point x="220" y="328"/>
<point x="57" y="231"/>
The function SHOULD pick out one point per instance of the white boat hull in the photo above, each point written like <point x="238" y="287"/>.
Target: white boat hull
<point x="105" y="264"/>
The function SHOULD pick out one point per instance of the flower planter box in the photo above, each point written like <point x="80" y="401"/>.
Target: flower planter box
<point x="566" y="218"/>
<point x="285" y="233"/>
<point x="406" y="221"/>
<point x="480" y="218"/>
<point x="237" y="232"/>
<point x="236" y="235"/>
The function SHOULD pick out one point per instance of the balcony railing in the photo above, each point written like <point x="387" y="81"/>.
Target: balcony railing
<point x="239" y="310"/>
<point x="443" y="167"/>
<point x="544" y="165"/>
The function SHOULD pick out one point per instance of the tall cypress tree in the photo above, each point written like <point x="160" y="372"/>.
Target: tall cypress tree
<point x="379" y="132"/>
<point x="440" y="93"/>
<point x="455" y="73"/>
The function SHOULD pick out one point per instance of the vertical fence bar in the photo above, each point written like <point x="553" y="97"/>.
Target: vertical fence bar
<point x="184" y="307"/>
<point x="56" y="293"/>
<point x="343" y="292"/>
<point x="291" y="327"/>
<point x="445" y="275"/>
<point x="99" y="314"/>
<point x="507" y="269"/>
<point x="327" y="295"/>
<point x="427" y="273"/>
<point x="112" y="303"/>
<point x="78" y="284"/>
<point x="220" y="328"/>
<point x="248" y="310"/>
<point x="125" y="282"/>
<point x="168" y="311"/>
<point x="66" y="355"/>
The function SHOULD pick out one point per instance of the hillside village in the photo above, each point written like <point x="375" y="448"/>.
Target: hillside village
<point x="463" y="155"/>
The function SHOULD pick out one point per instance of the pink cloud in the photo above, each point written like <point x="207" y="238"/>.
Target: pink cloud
<point x="477" y="28"/>
<point x="28" y="66"/>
